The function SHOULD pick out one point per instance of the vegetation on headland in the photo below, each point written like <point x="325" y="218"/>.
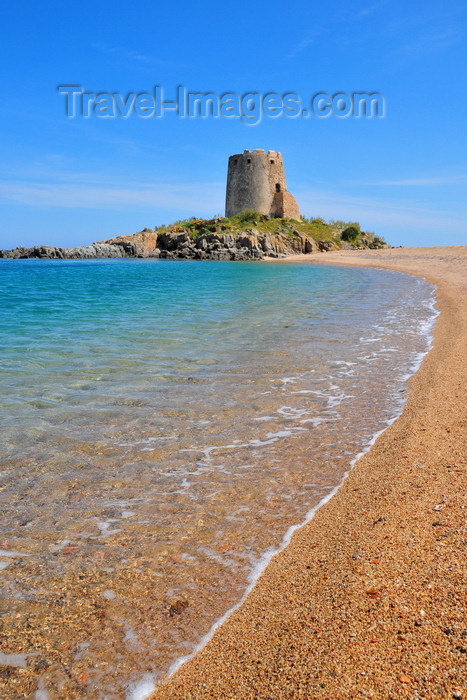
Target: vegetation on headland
<point x="339" y="233"/>
<point x="245" y="236"/>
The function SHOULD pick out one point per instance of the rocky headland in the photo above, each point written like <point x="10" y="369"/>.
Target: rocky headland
<point x="249" y="236"/>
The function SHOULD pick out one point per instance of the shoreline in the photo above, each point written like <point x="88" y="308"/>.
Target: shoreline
<point x="340" y="608"/>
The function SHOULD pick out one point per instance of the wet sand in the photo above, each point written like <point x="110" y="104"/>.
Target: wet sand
<point x="368" y="600"/>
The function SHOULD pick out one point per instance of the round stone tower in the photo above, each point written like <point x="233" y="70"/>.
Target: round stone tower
<point x="256" y="180"/>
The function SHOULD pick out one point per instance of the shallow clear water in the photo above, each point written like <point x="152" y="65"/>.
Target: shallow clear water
<point x="164" y="424"/>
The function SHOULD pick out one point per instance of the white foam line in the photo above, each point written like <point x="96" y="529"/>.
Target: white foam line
<point x="255" y="442"/>
<point x="10" y="553"/>
<point x="258" y="570"/>
<point x="288" y="380"/>
<point x="290" y="412"/>
<point x="16" y="660"/>
<point x="317" y="421"/>
<point x="144" y="688"/>
<point x="41" y="693"/>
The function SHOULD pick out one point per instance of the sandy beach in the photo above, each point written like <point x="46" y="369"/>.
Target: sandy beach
<point x="368" y="600"/>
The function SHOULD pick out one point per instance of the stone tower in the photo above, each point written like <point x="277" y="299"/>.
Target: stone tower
<point x="256" y="180"/>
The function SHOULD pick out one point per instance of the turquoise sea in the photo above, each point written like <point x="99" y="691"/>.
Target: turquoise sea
<point x="164" y="427"/>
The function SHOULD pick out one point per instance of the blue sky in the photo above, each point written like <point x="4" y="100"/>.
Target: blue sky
<point x="73" y="181"/>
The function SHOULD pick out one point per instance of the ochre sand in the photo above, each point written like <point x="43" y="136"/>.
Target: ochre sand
<point x="368" y="600"/>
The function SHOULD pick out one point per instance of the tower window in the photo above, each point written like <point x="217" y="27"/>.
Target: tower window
<point x="278" y="187"/>
<point x="235" y="161"/>
<point x="248" y="160"/>
<point x="272" y="162"/>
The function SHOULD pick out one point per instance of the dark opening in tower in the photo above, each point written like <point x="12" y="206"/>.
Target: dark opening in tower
<point x="278" y="187"/>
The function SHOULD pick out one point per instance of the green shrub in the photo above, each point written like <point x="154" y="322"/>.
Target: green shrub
<point x="377" y="242"/>
<point x="246" y="217"/>
<point x="314" y="220"/>
<point x="338" y="223"/>
<point x="185" y="223"/>
<point x="351" y="233"/>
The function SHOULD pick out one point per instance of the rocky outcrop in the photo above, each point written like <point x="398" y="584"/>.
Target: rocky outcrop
<point x="96" y="250"/>
<point x="138" y="245"/>
<point x="324" y="246"/>
<point x="180" y="245"/>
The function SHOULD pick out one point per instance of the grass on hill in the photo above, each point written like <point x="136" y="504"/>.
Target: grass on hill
<point x="337" y="232"/>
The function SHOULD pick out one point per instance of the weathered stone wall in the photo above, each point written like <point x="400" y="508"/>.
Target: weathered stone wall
<point x="256" y="181"/>
<point x="285" y="205"/>
<point x="249" y="182"/>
